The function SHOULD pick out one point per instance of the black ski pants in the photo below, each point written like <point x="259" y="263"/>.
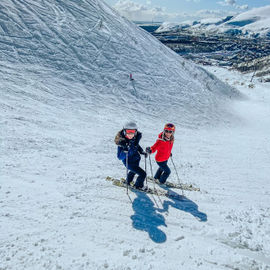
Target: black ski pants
<point x="163" y="172"/>
<point x="135" y="169"/>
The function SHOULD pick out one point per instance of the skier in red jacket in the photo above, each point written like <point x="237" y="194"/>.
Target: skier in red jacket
<point x="163" y="146"/>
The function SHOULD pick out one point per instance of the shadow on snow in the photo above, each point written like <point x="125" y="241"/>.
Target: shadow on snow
<point x="184" y="204"/>
<point x="146" y="217"/>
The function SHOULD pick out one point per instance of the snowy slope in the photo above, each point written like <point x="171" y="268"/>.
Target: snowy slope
<point x="87" y="43"/>
<point x="64" y="93"/>
<point x="254" y="22"/>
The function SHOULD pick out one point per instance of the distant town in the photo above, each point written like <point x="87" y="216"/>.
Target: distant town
<point x="229" y="50"/>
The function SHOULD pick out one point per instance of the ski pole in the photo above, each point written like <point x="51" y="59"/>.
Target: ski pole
<point x="152" y="171"/>
<point x="145" y="170"/>
<point x="179" y="183"/>
<point x="127" y="171"/>
<point x="146" y="180"/>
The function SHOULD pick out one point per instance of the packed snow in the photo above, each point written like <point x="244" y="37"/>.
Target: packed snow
<point x="64" y="94"/>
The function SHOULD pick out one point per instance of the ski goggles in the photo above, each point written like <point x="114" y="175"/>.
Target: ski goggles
<point x="168" y="131"/>
<point x="130" y="131"/>
<point x="169" y="126"/>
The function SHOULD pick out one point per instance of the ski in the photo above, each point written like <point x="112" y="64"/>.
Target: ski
<point x="158" y="192"/>
<point x="121" y="183"/>
<point x="188" y="187"/>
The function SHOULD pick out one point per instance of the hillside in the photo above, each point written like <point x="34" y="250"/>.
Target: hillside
<point x="89" y="45"/>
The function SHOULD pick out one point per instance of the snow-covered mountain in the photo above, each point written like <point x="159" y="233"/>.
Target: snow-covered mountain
<point x="64" y="94"/>
<point x="252" y="23"/>
<point x="192" y="25"/>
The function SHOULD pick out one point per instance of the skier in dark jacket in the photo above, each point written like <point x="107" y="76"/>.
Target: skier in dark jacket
<point x="129" y="152"/>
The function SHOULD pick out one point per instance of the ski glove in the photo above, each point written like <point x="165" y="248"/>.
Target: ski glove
<point x="144" y="153"/>
<point x="148" y="150"/>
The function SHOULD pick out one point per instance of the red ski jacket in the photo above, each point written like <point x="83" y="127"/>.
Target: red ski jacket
<point x="163" y="148"/>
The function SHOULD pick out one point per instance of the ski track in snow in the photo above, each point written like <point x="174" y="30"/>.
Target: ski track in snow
<point x="61" y="104"/>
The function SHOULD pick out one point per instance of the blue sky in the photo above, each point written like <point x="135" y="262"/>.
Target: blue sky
<point x="182" y="10"/>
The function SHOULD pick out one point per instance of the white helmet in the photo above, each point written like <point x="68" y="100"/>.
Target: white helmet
<point x="130" y="125"/>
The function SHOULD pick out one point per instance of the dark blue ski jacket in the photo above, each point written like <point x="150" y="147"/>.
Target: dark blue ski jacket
<point x="131" y="147"/>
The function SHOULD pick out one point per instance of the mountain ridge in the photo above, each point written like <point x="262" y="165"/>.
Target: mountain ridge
<point x="253" y="23"/>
